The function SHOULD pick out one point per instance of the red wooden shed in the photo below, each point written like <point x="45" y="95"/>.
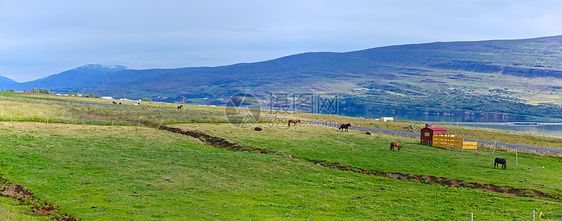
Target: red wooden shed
<point x="426" y="136"/>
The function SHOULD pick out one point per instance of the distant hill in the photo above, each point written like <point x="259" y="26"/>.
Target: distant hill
<point x="7" y="82"/>
<point x="537" y="57"/>
<point x="463" y="77"/>
<point x="90" y="75"/>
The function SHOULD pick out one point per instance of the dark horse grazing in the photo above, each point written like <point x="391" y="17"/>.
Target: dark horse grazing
<point x="294" y="122"/>
<point x="345" y="126"/>
<point x="500" y="161"/>
<point x="395" y="144"/>
<point x="179" y="107"/>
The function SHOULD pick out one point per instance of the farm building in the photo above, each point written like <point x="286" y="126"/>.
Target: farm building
<point x="385" y="119"/>
<point x="427" y="133"/>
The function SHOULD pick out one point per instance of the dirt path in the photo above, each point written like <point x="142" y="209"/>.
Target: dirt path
<point x="508" y="190"/>
<point x="25" y="197"/>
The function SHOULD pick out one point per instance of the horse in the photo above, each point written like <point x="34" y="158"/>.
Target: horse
<point x="368" y="133"/>
<point x="114" y="102"/>
<point x="179" y="107"/>
<point x="345" y="126"/>
<point x="500" y="161"/>
<point x="395" y="144"/>
<point x="294" y="122"/>
<point x="258" y="129"/>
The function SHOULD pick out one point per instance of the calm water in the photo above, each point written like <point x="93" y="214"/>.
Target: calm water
<point x="473" y="121"/>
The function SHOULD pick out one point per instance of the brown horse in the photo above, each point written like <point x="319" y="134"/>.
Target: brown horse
<point x="345" y="126"/>
<point x="368" y="133"/>
<point x="294" y="122"/>
<point x="395" y="144"/>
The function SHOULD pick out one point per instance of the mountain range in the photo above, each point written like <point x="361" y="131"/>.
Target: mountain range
<point x="522" y="71"/>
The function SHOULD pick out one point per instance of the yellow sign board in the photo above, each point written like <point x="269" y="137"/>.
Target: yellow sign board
<point x="454" y="142"/>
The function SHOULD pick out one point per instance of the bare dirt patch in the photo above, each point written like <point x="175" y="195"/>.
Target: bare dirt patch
<point x="25" y="197"/>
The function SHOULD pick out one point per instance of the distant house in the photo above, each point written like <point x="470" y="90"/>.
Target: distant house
<point x="108" y="98"/>
<point x="361" y="89"/>
<point x="31" y="92"/>
<point x="427" y="133"/>
<point x="385" y="119"/>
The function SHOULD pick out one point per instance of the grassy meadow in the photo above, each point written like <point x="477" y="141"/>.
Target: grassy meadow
<point x="124" y="171"/>
<point x="11" y="210"/>
<point x="372" y="153"/>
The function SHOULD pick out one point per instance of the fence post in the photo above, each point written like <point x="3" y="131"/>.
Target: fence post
<point x="471" y="217"/>
<point x="533" y="215"/>
<point x="494" y="149"/>
<point x="462" y="145"/>
<point x="10" y="118"/>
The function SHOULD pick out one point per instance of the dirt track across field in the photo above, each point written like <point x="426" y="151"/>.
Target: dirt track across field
<point x="222" y="143"/>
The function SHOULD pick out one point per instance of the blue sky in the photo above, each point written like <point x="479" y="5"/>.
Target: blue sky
<point x="39" y="38"/>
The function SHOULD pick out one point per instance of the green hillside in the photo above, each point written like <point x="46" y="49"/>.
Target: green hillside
<point x="95" y="161"/>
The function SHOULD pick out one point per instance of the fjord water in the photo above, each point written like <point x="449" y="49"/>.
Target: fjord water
<point x="491" y="121"/>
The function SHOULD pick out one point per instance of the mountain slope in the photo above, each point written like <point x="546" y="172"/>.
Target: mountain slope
<point x="7" y="82"/>
<point x="444" y="64"/>
<point x="466" y="77"/>
<point x="538" y="57"/>
<point x="86" y="76"/>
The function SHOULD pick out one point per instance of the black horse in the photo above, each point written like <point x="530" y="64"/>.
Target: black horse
<point x="179" y="107"/>
<point x="500" y="161"/>
<point x="345" y="126"/>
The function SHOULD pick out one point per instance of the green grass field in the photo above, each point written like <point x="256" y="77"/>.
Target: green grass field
<point x="118" y="173"/>
<point x="371" y="152"/>
<point x="104" y="172"/>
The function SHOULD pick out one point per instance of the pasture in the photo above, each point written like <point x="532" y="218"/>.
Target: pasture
<point x="123" y="173"/>
<point x="357" y="149"/>
<point x="120" y="172"/>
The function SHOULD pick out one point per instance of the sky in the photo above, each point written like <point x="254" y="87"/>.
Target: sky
<point x="39" y="38"/>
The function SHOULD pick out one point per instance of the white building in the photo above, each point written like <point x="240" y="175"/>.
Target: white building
<point x="385" y="119"/>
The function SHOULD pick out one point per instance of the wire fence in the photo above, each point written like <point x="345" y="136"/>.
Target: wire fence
<point x="70" y="120"/>
<point x="107" y="122"/>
